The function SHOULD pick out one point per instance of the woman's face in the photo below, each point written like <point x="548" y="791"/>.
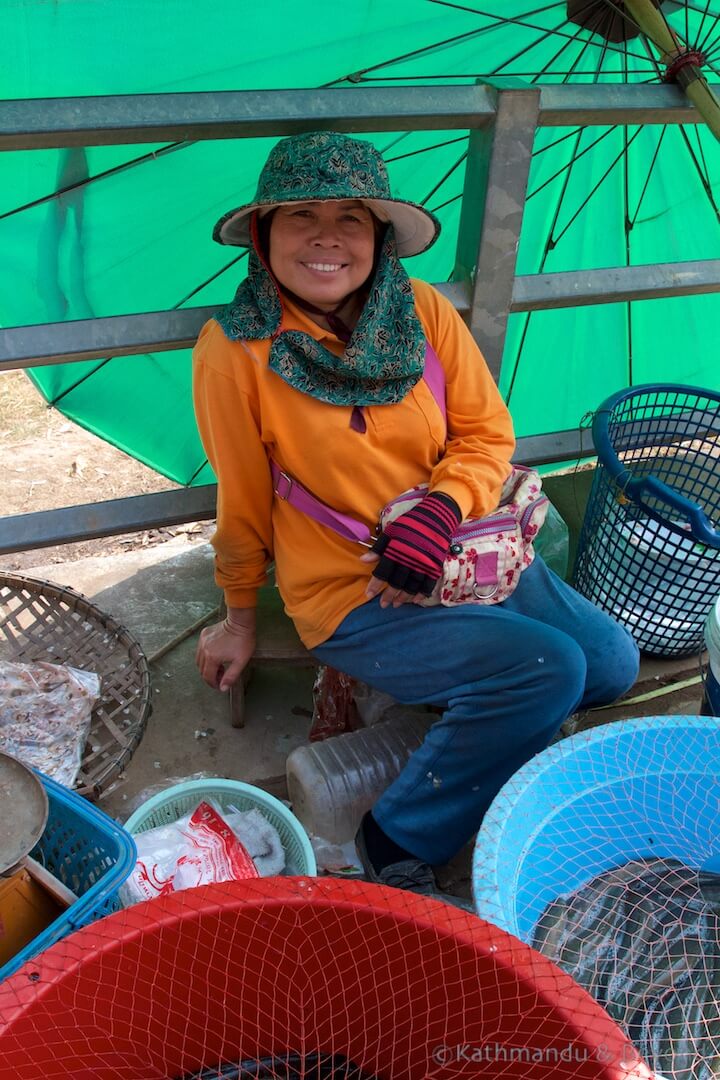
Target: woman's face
<point x="322" y="251"/>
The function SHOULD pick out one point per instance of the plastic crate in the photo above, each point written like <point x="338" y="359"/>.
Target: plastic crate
<point x="90" y="853"/>
<point x="649" y="550"/>
<point x="181" y="799"/>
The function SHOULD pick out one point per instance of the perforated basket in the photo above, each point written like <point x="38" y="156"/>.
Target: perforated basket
<point x="181" y="799"/>
<point x="90" y="853"/>
<point x="649" y="550"/>
<point x="43" y="621"/>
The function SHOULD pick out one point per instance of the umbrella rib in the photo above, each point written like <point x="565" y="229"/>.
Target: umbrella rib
<point x="197" y="472"/>
<point x="702" y="21"/>
<point x="704" y="179"/>
<point x="578" y="58"/>
<point x="83" y="378"/>
<point x="701" y="44"/>
<point x="576" y="157"/>
<point x="78" y="382"/>
<point x="447" y="175"/>
<point x="546" y="252"/>
<point x="354" y="76"/>
<point x="647" y="178"/>
<point x="653" y="59"/>
<point x="201" y="286"/>
<point x="572" y="161"/>
<point x="424" y="149"/>
<point x="573" y="40"/>
<point x="538" y="41"/>
<point x="98" y="176"/>
<point x="713" y="53"/>
<point x="550" y="146"/>
<point x="556" y="240"/>
<point x="484" y="75"/>
<point x="442" y="205"/>
<point x="578" y="133"/>
<point x="474" y="11"/>
<point x="625" y="17"/>
<point x="701" y="153"/>
<point x="543" y="30"/>
<point x="711" y="49"/>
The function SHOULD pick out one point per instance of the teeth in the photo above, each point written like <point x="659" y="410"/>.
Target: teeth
<point x="325" y="267"/>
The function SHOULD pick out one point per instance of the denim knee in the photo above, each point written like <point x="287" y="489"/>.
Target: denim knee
<point x="564" y="675"/>
<point x="613" y="667"/>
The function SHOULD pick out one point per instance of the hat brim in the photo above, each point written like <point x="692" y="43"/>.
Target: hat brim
<point x="416" y="229"/>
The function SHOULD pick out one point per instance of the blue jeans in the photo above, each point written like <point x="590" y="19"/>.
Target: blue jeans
<point x="507" y="675"/>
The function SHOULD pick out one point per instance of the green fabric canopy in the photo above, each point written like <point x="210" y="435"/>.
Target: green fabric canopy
<point x="132" y="231"/>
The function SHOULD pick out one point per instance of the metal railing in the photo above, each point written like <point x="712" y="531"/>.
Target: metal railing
<point x="486" y="289"/>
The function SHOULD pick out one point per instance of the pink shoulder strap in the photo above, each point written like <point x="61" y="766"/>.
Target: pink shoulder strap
<point x="434" y="376"/>
<point x="285" y="487"/>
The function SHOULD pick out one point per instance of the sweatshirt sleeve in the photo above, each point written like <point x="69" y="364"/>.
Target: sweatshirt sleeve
<point x="226" y="410"/>
<point x="480" y="439"/>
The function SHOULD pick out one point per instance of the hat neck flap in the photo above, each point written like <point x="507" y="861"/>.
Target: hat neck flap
<point x="383" y="359"/>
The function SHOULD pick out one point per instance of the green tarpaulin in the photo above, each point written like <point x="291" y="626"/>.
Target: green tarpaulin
<point x="132" y="231"/>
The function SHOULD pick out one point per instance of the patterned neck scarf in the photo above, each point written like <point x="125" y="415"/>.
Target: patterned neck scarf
<point x="383" y="359"/>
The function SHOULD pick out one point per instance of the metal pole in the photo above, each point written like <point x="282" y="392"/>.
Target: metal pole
<point x="690" y="77"/>
<point x="496" y="179"/>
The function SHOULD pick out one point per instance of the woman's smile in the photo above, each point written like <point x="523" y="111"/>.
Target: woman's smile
<point x="324" y="268"/>
<point x="322" y="251"/>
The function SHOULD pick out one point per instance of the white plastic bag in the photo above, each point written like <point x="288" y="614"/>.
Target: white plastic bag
<point x="45" y="714"/>
<point x="208" y="845"/>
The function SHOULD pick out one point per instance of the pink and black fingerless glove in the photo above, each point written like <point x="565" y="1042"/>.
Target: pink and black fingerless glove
<point x="412" y="548"/>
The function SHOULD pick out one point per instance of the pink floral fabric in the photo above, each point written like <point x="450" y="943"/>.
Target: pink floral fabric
<point x="487" y="555"/>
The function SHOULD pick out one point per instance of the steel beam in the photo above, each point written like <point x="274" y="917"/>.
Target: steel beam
<point x="138" y="118"/>
<point x="125" y="335"/>
<point x="617" y="284"/>
<point x="160" y="331"/>
<point x="571" y="105"/>
<point x="496" y="179"/>
<point x="93" y="339"/>
<point x="46" y="528"/>
<point x="40" y="123"/>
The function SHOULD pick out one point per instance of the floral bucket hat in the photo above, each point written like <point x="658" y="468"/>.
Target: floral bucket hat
<point x="326" y="165"/>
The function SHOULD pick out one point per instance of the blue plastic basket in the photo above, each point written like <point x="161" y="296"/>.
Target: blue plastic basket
<point x="647" y="788"/>
<point x="649" y="549"/>
<point x="90" y="853"/>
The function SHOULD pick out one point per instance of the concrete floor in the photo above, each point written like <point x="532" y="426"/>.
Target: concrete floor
<point x="158" y="592"/>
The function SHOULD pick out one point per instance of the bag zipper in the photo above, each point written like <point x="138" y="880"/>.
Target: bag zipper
<point x="498" y="524"/>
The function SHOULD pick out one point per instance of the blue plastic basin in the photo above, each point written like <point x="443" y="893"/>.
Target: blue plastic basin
<point x="634" y="788"/>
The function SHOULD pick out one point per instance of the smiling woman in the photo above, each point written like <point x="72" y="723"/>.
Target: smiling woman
<point x="323" y="251"/>
<point x="331" y="384"/>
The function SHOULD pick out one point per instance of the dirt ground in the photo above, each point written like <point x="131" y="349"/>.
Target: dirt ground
<point x="49" y="462"/>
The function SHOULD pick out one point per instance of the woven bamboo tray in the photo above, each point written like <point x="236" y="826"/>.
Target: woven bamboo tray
<point x="42" y="621"/>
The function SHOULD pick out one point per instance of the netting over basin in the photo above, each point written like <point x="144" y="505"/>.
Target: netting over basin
<point x="302" y="978"/>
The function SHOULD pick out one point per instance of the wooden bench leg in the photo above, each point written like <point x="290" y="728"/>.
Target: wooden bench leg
<point x="237" y="698"/>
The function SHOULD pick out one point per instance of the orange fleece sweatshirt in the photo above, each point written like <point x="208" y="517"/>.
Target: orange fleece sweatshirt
<point x="246" y="413"/>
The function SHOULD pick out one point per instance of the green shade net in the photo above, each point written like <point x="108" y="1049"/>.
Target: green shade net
<point x="99" y="231"/>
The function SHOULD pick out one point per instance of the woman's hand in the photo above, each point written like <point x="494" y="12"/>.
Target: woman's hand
<point x="410" y="551"/>
<point x="226" y="648"/>
<point x="390" y="595"/>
